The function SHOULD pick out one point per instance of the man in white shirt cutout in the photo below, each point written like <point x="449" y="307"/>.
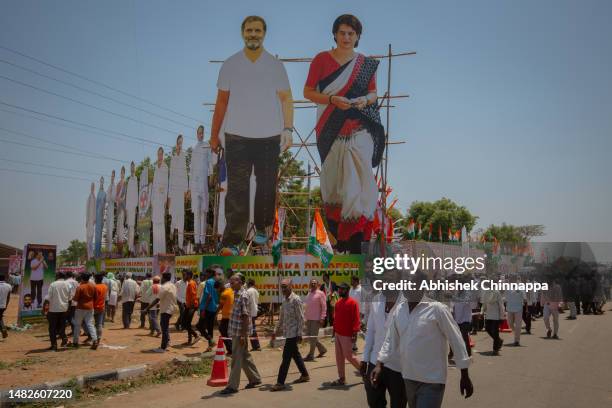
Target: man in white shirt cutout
<point x="159" y="199"/>
<point x="198" y="187"/>
<point x="178" y="186"/>
<point x="255" y="107"/>
<point x="420" y="331"/>
<point x="131" y="203"/>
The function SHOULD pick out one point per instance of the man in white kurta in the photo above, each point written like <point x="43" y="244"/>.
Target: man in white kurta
<point x="131" y="203"/>
<point x="90" y="221"/>
<point x="178" y="187"/>
<point x="159" y="197"/>
<point x="120" y="200"/>
<point x="110" y="212"/>
<point x="198" y="184"/>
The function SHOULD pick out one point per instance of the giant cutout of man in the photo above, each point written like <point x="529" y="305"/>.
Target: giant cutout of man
<point x="121" y="191"/>
<point x="90" y="221"/>
<point x="178" y="187"/>
<point x="110" y="212"/>
<point x="198" y="186"/>
<point x="255" y="106"/>
<point x="159" y="198"/>
<point x="131" y="203"/>
<point x="100" y="206"/>
<point x="350" y="136"/>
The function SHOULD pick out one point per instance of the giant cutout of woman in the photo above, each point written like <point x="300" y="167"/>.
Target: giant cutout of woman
<point x="350" y="136"/>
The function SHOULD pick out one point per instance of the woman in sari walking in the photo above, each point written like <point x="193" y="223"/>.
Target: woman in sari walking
<point x="350" y="136"/>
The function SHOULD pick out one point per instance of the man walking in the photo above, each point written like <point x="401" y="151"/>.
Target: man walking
<point x="146" y="297"/>
<point x="316" y="312"/>
<point x="420" y="332"/>
<point x="99" y="309"/>
<point x="239" y="329"/>
<point x="390" y="379"/>
<point x="515" y="300"/>
<point x="181" y="290"/>
<point x="191" y="305"/>
<point x="59" y="298"/>
<point x="255" y="106"/>
<point x="84" y="296"/>
<point x="254" y="304"/>
<point x="550" y="300"/>
<point x="129" y="293"/>
<point x="167" y="307"/>
<point x="226" y="303"/>
<point x="346" y="327"/>
<point x="493" y="310"/>
<point x="5" y="296"/>
<point x="208" y="307"/>
<point x="290" y="324"/>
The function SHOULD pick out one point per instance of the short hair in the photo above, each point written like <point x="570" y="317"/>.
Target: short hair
<point x="351" y="21"/>
<point x="179" y="137"/>
<point x="251" y="282"/>
<point x="2" y="276"/>
<point x="201" y="127"/>
<point x="128" y="275"/>
<point x="98" y="278"/>
<point x="188" y="272"/>
<point x="85" y="276"/>
<point x="148" y="274"/>
<point x="58" y="275"/>
<point x="250" y="19"/>
<point x="166" y="276"/>
<point x="160" y="148"/>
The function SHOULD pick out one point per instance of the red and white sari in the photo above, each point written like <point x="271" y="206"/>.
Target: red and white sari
<point x="350" y="144"/>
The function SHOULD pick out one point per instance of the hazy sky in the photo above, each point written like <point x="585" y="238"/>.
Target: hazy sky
<point x="509" y="114"/>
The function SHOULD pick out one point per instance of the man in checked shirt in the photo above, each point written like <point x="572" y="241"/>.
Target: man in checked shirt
<point x="290" y="324"/>
<point x="239" y="330"/>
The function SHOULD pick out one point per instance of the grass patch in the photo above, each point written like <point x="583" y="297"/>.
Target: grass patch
<point x="21" y="363"/>
<point x="160" y="375"/>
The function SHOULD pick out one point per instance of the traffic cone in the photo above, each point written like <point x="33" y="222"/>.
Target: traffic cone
<point x="504" y="328"/>
<point x="219" y="377"/>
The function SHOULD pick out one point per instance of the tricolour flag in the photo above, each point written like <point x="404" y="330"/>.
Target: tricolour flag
<point x="277" y="235"/>
<point x="318" y="243"/>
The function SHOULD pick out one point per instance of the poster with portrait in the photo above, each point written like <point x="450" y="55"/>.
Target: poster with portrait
<point x="163" y="263"/>
<point x="38" y="273"/>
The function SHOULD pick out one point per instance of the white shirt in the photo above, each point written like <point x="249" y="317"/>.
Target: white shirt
<point x="167" y="298"/>
<point x="181" y="291"/>
<point x="5" y="291"/>
<point x="514" y="300"/>
<point x="254" y="298"/>
<point x="355" y="293"/>
<point x="179" y="184"/>
<point x="378" y="324"/>
<point x="462" y="311"/>
<point x="254" y="109"/>
<point x="422" y="337"/>
<point x="493" y="305"/>
<point x="38" y="269"/>
<point x="129" y="290"/>
<point x="199" y="169"/>
<point x="131" y="199"/>
<point x="59" y="296"/>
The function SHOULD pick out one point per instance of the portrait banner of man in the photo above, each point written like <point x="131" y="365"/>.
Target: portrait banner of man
<point x="38" y="273"/>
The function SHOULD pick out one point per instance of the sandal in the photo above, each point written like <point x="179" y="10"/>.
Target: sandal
<point x="337" y="383"/>
<point x="302" y="379"/>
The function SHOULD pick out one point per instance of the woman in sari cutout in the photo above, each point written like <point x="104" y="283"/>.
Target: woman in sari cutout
<point x="350" y="136"/>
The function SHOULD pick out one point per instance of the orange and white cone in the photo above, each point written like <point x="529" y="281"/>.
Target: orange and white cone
<point x="504" y="328"/>
<point x="218" y="376"/>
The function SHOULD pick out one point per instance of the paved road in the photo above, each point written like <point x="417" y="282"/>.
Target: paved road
<point x="571" y="372"/>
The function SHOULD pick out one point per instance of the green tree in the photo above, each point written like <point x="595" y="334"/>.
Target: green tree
<point x="508" y="236"/>
<point x="443" y="214"/>
<point x="75" y="253"/>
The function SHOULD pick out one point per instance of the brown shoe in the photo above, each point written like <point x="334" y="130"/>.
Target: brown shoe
<point x="302" y="379"/>
<point x="94" y="345"/>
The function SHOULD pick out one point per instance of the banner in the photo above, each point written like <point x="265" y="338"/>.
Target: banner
<point x="138" y="266"/>
<point x="193" y="262"/>
<point x="164" y="263"/>
<point x="300" y="268"/>
<point x="38" y="273"/>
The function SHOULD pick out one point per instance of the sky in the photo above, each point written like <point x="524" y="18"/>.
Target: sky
<point x="508" y="115"/>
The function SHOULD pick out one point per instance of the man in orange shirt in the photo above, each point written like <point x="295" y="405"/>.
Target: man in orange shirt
<point x="191" y="305"/>
<point x="84" y="298"/>
<point x="99" y="304"/>
<point x="226" y="303"/>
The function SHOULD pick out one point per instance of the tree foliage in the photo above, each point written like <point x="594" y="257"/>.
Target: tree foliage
<point x="75" y="253"/>
<point x="443" y="213"/>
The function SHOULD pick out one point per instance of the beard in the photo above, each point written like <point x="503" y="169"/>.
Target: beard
<point x="253" y="44"/>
